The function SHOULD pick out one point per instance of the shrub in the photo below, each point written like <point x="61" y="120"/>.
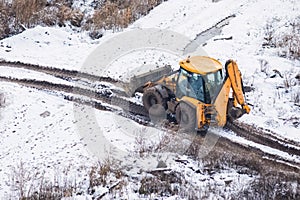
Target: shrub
<point x="161" y="184"/>
<point x="271" y="187"/>
<point x="31" y="183"/>
<point x="115" y="15"/>
<point x="287" y="39"/>
<point x="4" y="16"/>
<point x="66" y="13"/>
<point x="26" y="11"/>
<point x="18" y="15"/>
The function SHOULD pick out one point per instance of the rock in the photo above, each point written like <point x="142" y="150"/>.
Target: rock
<point x="161" y="164"/>
<point x="45" y="114"/>
<point x="227" y="182"/>
<point x="276" y="72"/>
<point x="96" y="34"/>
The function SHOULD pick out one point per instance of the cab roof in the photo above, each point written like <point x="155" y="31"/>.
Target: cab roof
<point x="201" y="64"/>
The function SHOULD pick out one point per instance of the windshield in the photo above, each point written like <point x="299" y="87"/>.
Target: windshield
<point x="213" y="83"/>
<point x="201" y="87"/>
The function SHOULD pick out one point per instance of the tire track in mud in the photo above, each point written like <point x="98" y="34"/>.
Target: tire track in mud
<point x="258" y="136"/>
<point x="261" y="136"/>
<point x="138" y="113"/>
<point x="57" y="72"/>
<point x="73" y="76"/>
<point x="226" y="144"/>
<point x="255" y="157"/>
<point x="105" y="96"/>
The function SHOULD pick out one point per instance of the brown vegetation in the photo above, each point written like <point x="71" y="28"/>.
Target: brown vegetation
<point x="288" y="42"/>
<point x="18" y="15"/>
<point x="29" y="183"/>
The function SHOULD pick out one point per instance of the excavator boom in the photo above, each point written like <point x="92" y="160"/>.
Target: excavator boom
<point x="235" y="77"/>
<point x="226" y="106"/>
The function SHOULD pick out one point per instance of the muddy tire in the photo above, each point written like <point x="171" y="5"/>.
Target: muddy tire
<point x="203" y="132"/>
<point x="154" y="103"/>
<point x="186" y="117"/>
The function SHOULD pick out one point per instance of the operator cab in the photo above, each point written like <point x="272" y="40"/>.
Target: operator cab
<point x="200" y="78"/>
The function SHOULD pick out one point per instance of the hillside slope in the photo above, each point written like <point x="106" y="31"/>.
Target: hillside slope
<point x="39" y="130"/>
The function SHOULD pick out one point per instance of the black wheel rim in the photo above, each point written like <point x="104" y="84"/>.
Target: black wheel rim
<point x="184" y="117"/>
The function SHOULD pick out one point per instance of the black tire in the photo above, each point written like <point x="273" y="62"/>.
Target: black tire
<point x="154" y="103"/>
<point x="203" y="132"/>
<point x="186" y="117"/>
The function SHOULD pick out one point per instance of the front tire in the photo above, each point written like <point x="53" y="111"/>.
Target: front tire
<point x="186" y="117"/>
<point x="154" y="103"/>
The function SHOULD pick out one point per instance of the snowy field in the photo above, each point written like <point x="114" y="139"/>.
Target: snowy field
<point x="41" y="130"/>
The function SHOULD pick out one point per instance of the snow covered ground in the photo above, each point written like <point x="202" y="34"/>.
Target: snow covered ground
<point x="273" y="108"/>
<point x="41" y="129"/>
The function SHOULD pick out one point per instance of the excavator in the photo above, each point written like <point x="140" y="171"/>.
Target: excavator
<point x="199" y="94"/>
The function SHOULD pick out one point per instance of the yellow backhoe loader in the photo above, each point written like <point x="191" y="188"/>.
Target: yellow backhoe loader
<point x="199" y="94"/>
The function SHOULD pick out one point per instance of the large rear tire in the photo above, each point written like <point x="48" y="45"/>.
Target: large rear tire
<point x="154" y="102"/>
<point x="186" y="117"/>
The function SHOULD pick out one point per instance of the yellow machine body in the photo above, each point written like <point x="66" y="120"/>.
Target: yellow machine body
<point x="200" y="85"/>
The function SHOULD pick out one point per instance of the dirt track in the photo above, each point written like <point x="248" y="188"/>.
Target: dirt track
<point x="137" y="113"/>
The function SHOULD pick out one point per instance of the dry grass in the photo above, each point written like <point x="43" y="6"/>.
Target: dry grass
<point x="29" y="183"/>
<point x="273" y="182"/>
<point x="289" y="89"/>
<point x="4" y="16"/>
<point x="100" y="174"/>
<point x="142" y="146"/>
<point x="288" y="42"/>
<point x="271" y="187"/>
<point x="116" y="15"/>
<point x="66" y="13"/>
<point x="161" y="184"/>
<point x="18" y="15"/>
<point x="27" y="11"/>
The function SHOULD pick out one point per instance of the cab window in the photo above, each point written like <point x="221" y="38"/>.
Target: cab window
<point x="191" y="85"/>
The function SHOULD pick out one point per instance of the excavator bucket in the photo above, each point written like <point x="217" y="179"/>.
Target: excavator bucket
<point x="138" y="81"/>
<point x="235" y="113"/>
